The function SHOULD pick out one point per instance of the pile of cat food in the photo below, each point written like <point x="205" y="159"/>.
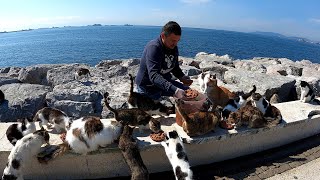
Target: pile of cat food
<point x="158" y="137"/>
<point x="191" y="93"/>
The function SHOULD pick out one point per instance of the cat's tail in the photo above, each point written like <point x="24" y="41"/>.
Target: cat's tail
<point x="245" y="96"/>
<point x="313" y="113"/>
<point x="106" y="102"/>
<point x="131" y="84"/>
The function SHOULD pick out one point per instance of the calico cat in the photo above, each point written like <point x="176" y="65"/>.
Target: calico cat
<point x="20" y="155"/>
<point x="89" y="133"/>
<point x="197" y="123"/>
<point x="237" y="102"/>
<point x="137" y="100"/>
<point x="82" y="72"/>
<point x="2" y="98"/>
<point x="307" y="94"/>
<point x="59" y="119"/>
<point x="17" y="130"/>
<point x="217" y="95"/>
<point x="177" y="156"/>
<point x="133" y="117"/>
<point x="271" y="113"/>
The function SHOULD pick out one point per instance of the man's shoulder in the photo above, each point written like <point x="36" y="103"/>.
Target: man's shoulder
<point x="154" y="42"/>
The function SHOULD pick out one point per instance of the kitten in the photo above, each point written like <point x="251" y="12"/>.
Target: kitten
<point x="197" y="123"/>
<point x="177" y="156"/>
<point x="271" y="113"/>
<point x="58" y="118"/>
<point x="307" y="94"/>
<point x="20" y="155"/>
<point x="133" y="117"/>
<point x="237" y="102"/>
<point x="2" y="98"/>
<point x="89" y="133"/>
<point x="136" y="100"/>
<point x="247" y="115"/>
<point x="217" y="95"/>
<point x="82" y="72"/>
<point x="17" y="130"/>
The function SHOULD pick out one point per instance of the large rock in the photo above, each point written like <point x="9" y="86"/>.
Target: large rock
<point x="22" y="100"/>
<point x="266" y="84"/>
<point x="8" y="80"/>
<point x="249" y="65"/>
<point x="36" y="74"/>
<point x="224" y="60"/>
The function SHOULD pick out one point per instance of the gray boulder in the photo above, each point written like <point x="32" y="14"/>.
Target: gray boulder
<point x="8" y="80"/>
<point x="22" y="100"/>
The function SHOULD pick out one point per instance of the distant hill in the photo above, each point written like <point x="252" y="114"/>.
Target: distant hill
<point x="301" y="39"/>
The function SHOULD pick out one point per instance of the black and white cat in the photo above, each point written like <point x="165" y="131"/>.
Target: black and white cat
<point x="59" y="119"/>
<point x="203" y="80"/>
<point x="177" y="156"/>
<point x="307" y="94"/>
<point x="25" y="149"/>
<point x="17" y="130"/>
<point x="89" y="133"/>
<point x="234" y="104"/>
<point x="2" y="97"/>
<point x="137" y="100"/>
<point x="82" y="73"/>
<point x="313" y="113"/>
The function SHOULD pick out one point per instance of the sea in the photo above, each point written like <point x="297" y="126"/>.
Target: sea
<point x="91" y="44"/>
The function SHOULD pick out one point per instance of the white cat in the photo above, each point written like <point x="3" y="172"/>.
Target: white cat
<point x="20" y="155"/>
<point x="177" y="156"/>
<point x="89" y="133"/>
<point x="48" y="116"/>
<point x="203" y="79"/>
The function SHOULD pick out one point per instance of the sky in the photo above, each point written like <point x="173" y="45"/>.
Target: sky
<point x="299" y="18"/>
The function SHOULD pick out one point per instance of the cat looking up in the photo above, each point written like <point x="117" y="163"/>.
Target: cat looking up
<point x="177" y="156"/>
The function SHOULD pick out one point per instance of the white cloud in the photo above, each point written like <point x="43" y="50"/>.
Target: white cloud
<point x="314" y="20"/>
<point x="195" y="1"/>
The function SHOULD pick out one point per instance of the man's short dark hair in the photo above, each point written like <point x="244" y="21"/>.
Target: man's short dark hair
<point x="171" y="27"/>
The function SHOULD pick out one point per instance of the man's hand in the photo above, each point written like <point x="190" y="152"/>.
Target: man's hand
<point x="179" y="93"/>
<point x="186" y="80"/>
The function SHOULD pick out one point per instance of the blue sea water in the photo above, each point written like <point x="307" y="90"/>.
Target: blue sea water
<point x="91" y="44"/>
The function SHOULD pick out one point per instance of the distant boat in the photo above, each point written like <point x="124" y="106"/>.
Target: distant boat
<point x="128" y="25"/>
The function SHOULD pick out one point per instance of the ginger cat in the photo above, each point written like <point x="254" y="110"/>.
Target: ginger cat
<point x="219" y="96"/>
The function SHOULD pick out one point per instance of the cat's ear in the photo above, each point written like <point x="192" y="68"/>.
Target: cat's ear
<point x="42" y="128"/>
<point x="214" y="76"/>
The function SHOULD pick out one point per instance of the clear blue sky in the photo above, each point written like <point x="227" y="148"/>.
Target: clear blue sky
<point x="289" y="17"/>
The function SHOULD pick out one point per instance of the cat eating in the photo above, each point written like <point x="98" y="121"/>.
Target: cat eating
<point x="307" y="94"/>
<point x="48" y="116"/>
<point x="17" y="131"/>
<point x="133" y="117"/>
<point x="197" y="123"/>
<point x="177" y="156"/>
<point x="137" y="100"/>
<point x="20" y="155"/>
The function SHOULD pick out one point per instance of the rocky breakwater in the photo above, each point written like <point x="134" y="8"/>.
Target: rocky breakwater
<point x="28" y="89"/>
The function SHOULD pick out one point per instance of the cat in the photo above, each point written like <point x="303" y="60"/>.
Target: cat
<point x="177" y="156"/>
<point x="82" y="72"/>
<point x="307" y="94"/>
<point x="2" y="97"/>
<point x="271" y="113"/>
<point x="133" y="117"/>
<point x="197" y="123"/>
<point x="217" y="95"/>
<point x="237" y="102"/>
<point x="137" y="100"/>
<point x="17" y="130"/>
<point x="247" y="115"/>
<point x="313" y="113"/>
<point x="59" y="119"/>
<point x="21" y="154"/>
<point x="130" y="151"/>
<point x="203" y="80"/>
<point x="89" y="133"/>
